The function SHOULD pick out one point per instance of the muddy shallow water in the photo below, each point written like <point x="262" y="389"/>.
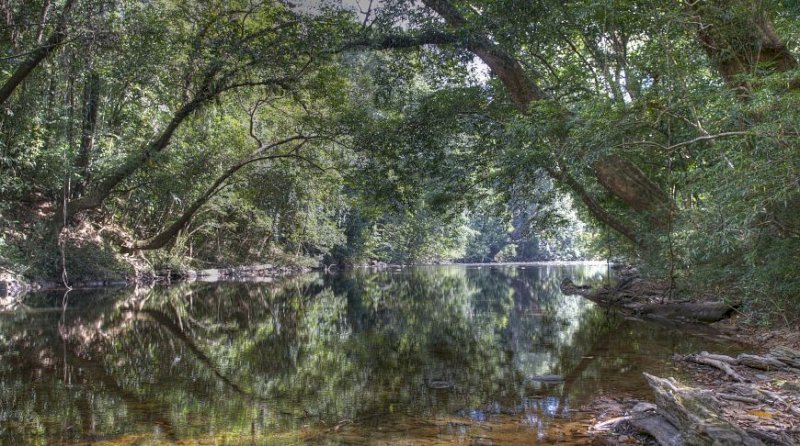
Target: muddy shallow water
<point x="427" y="355"/>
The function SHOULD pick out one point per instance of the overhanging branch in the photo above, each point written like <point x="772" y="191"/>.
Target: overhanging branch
<point x="167" y="235"/>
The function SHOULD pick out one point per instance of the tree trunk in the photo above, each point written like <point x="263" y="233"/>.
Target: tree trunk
<point x="167" y="235"/>
<point x="95" y="197"/>
<point x="42" y="21"/>
<point x="38" y="55"/>
<point x="740" y="44"/>
<point x="697" y="413"/>
<point x="595" y="208"/>
<point x="91" y="96"/>
<point x="629" y="182"/>
<point x="522" y="89"/>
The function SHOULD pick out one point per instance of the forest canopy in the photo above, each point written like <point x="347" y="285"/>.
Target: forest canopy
<point x="140" y="135"/>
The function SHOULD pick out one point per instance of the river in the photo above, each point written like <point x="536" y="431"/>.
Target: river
<point x="425" y="355"/>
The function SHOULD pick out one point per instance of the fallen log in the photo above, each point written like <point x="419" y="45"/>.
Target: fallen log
<point x="723" y="358"/>
<point x="609" y="424"/>
<point x="700" y="312"/>
<point x="568" y="287"/>
<point x="739" y="398"/>
<point x="696" y="413"/>
<point x="771" y="439"/>
<point x="760" y="362"/>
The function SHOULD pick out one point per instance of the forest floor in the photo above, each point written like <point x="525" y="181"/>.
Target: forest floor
<point x="753" y="399"/>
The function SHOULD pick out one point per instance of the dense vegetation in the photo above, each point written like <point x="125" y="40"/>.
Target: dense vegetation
<point x="145" y="134"/>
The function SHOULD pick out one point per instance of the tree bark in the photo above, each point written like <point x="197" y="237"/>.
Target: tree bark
<point x="38" y="55"/>
<point x="740" y="44"/>
<point x="208" y="91"/>
<point x="91" y="98"/>
<point x="630" y="184"/>
<point x="594" y="207"/>
<point x="522" y="89"/>
<point x="697" y="413"/>
<point x="42" y="21"/>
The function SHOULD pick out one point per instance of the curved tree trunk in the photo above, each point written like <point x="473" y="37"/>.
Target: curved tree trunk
<point x="167" y="235"/>
<point x="38" y="55"/>
<point x="594" y="207"/>
<point x="95" y="197"/>
<point x="630" y="184"/>
<point x="741" y="47"/>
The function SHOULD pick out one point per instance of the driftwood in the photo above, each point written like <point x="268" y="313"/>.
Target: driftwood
<point x="771" y="439"/>
<point x="705" y="359"/>
<point x="761" y="406"/>
<point x="609" y="424"/>
<point x="739" y="398"/>
<point x="696" y="413"/>
<point x="722" y="358"/>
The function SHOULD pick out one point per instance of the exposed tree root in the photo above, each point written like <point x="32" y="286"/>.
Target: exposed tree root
<point x="759" y="408"/>
<point x="703" y="358"/>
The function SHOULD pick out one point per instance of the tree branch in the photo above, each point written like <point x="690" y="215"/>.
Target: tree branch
<point x="164" y="237"/>
<point x="38" y="55"/>
<point x="706" y="138"/>
<point x="403" y="41"/>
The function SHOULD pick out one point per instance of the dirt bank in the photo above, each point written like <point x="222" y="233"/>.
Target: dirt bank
<point x="752" y="399"/>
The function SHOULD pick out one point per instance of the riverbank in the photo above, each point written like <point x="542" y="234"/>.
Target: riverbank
<point x="750" y="399"/>
<point x="14" y="286"/>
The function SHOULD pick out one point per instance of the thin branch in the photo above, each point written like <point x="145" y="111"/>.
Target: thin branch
<point x="366" y="13"/>
<point x="706" y="138"/>
<point x="252" y="112"/>
<point x="684" y="143"/>
<point x="34" y="50"/>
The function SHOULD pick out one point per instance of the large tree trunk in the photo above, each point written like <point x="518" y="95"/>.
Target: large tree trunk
<point x="594" y="207"/>
<point x="630" y="184"/>
<point x="741" y="47"/>
<point x="523" y="90"/>
<point x="698" y="415"/>
<point x="740" y="44"/>
<point x="37" y="55"/>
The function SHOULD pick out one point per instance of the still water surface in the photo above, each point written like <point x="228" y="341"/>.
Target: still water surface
<point x="428" y="355"/>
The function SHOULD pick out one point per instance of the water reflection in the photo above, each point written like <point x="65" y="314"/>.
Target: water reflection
<point x="424" y="355"/>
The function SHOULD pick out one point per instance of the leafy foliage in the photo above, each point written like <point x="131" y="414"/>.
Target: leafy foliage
<point x="228" y="132"/>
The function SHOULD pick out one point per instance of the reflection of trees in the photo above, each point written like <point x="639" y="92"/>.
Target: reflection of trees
<point x="250" y="358"/>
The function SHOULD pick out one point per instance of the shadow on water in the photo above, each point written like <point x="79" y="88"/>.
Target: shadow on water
<point x="445" y="354"/>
